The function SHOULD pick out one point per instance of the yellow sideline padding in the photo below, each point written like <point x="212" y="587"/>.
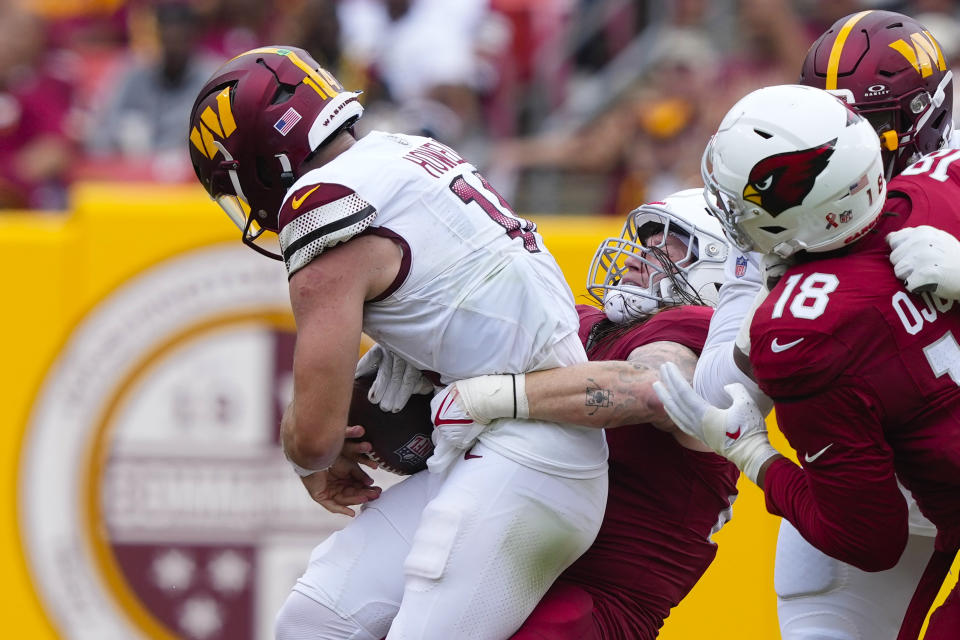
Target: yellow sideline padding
<point x="58" y="267"/>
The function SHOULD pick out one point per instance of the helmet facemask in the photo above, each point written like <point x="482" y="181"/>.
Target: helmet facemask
<point x="690" y="278"/>
<point x="912" y="126"/>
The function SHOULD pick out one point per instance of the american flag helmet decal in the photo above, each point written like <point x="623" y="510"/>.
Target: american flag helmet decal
<point x="285" y="123"/>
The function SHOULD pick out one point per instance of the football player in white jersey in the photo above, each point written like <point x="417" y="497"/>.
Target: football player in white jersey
<point x="400" y="237"/>
<point x="654" y="285"/>
<point x="864" y="58"/>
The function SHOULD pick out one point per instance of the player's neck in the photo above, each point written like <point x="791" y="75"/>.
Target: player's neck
<point x="343" y="141"/>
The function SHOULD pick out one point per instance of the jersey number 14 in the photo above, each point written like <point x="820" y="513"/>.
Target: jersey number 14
<point x="503" y="215"/>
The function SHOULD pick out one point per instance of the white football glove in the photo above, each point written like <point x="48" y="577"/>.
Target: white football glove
<point x="396" y="379"/>
<point x="454" y="429"/>
<point x="926" y="259"/>
<point x="739" y="433"/>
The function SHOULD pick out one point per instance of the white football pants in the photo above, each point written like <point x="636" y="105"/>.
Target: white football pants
<point x="463" y="554"/>
<point x="821" y="598"/>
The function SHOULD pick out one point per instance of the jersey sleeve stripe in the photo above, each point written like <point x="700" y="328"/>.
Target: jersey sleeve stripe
<point x="328" y="229"/>
<point x="312" y="243"/>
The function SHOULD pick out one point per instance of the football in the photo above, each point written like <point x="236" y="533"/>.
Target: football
<point x="401" y="441"/>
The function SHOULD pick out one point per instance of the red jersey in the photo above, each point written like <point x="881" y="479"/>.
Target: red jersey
<point x="665" y="501"/>
<point x="865" y="379"/>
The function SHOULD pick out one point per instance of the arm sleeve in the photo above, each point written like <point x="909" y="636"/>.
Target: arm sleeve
<point x="845" y="501"/>
<point x="716" y="367"/>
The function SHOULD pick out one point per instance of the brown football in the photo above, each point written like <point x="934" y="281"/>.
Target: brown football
<point x="401" y="441"/>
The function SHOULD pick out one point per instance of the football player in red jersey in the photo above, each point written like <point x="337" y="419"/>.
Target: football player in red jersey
<point x="864" y="374"/>
<point x="668" y="493"/>
<point x="888" y="67"/>
<point x="401" y="237"/>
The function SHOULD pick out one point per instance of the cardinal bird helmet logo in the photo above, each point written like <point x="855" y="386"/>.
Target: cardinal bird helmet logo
<point x="781" y="181"/>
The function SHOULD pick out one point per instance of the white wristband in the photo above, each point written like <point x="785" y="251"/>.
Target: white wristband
<point x="303" y="472"/>
<point x="487" y="398"/>
<point x="757" y="459"/>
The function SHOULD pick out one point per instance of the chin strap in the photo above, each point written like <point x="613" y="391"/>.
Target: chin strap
<point x="286" y="174"/>
<point x="249" y="239"/>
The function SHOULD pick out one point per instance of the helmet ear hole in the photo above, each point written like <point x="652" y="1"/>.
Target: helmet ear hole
<point x="263" y="172"/>
<point x="938" y="122"/>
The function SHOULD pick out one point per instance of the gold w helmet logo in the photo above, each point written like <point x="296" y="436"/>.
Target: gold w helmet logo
<point x="213" y="124"/>
<point x="923" y="55"/>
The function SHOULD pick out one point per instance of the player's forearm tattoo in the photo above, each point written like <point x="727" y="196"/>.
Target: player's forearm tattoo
<point x="597" y="397"/>
<point x="609" y="393"/>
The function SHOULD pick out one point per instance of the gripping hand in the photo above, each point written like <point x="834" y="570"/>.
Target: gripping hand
<point x="738" y="433"/>
<point x="927" y="259"/>
<point x="396" y="379"/>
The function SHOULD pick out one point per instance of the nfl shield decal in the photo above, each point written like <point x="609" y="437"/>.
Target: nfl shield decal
<point x="741" y="267"/>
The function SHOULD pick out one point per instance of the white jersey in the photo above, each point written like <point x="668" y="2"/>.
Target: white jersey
<point x="478" y="293"/>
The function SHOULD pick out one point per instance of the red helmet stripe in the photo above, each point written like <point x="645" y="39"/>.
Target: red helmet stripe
<point x="834" y="63"/>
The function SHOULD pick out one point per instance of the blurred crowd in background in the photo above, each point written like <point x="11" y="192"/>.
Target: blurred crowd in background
<point x="568" y="106"/>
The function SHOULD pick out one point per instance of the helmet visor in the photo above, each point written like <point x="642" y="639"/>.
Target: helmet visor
<point x="235" y="208"/>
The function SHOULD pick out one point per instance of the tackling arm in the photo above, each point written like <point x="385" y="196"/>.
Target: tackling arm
<point x="610" y="393"/>
<point x="600" y="394"/>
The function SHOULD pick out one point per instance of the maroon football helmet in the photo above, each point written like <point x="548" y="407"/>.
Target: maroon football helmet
<point x="890" y="69"/>
<point x="259" y="117"/>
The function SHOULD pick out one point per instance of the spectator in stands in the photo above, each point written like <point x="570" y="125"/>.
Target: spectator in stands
<point x="36" y="94"/>
<point x="235" y="26"/>
<point x="147" y="116"/>
<point x="437" y="39"/>
<point x="647" y="141"/>
<point x="315" y="26"/>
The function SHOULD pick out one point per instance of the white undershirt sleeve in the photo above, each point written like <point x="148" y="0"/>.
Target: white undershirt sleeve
<point x="716" y="367"/>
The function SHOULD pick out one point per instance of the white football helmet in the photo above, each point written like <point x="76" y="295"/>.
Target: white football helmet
<point x="792" y="168"/>
<point x="693" y="279"/>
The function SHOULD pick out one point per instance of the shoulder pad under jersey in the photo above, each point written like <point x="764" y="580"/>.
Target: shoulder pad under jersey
<point x="317" y="216"/>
